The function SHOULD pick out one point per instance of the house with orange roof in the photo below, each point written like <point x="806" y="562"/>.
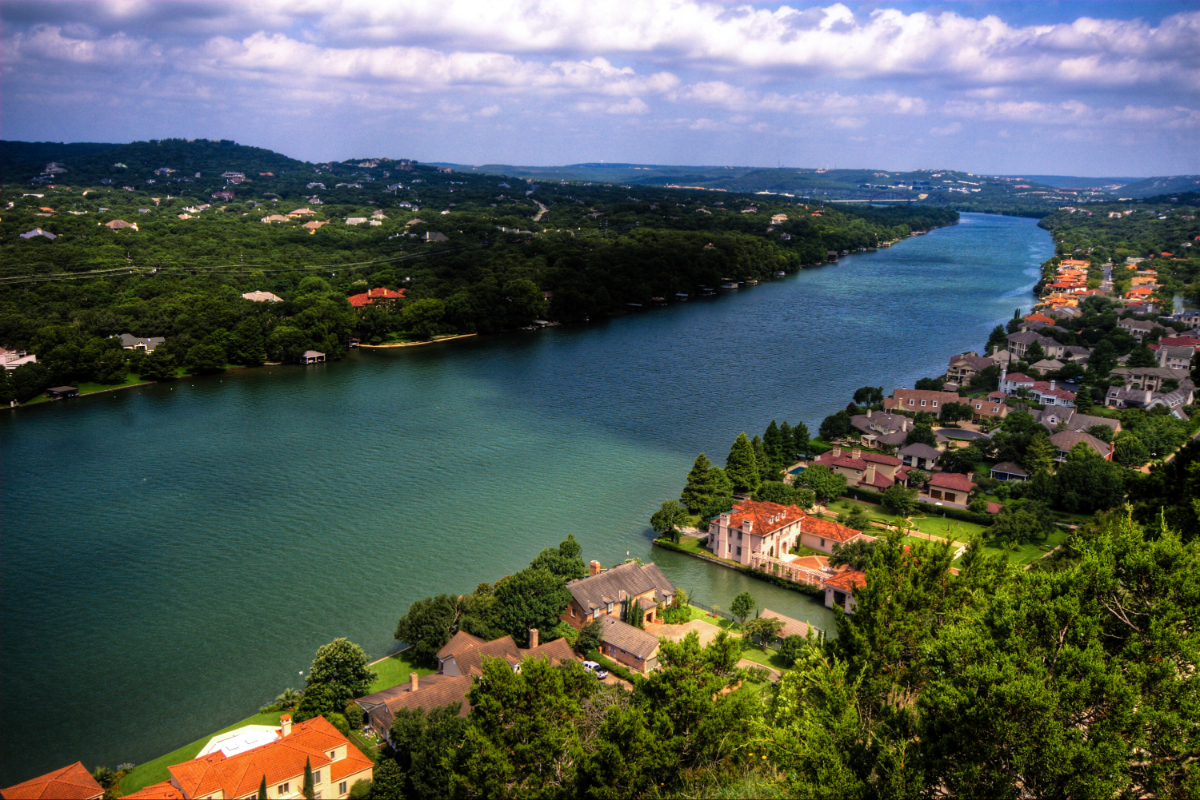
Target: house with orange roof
<point x="379" y="295"/>
<point x="1139" y="293"/>
<point x="1040" y="318"/>
<point x="865" y="470"/>
<point x="69" y="783"/>
<point x="336" y="765"/>
<point x="839" y="590"/>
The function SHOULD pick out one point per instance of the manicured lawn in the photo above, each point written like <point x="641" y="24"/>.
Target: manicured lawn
<point x="393" y="671"/>
<point x="875" y="512"/>
<point x="949" y="528"/>
<point x="765" y="656"/>
<point x="919" y="540"/>
<point x="156" y="771"/>
<point x="1026" y="553"/>
<point x="801" y="550"/>
<point x="89" y="388"/>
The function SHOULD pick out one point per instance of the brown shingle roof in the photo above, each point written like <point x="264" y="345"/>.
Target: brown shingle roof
<point x="634" y="641"/>
<point x="472" y="658"/>
<point x="459" y="642"/>
<point x="791" y="627"/>
<point x="597" y="591"/>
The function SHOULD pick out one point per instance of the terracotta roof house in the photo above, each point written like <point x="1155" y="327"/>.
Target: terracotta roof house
<point x="925" y="400"/>
<point x="39" y="232"/>
<point x="839" y="590"/>
<point x="314" y="225"/>
<point x="1008" y="471"/>
<point x="823" y="534"/>
<point x="302" y="212"/>
<point x="603" y="592"/>
<point x="920" y="456"/>
<point x="950" y="487"/>
<point x="628" y="645"/>
<point x="336" y="765"/>
<point x="262" y="297"/>
<point x="1039" y="318"/>
<point x="69" y="783"/>
<point x="378" y="295"/>
<point x="873" y="471"/>
<point x="1064" y="441"/>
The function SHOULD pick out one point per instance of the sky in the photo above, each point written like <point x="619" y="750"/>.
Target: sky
<point x="1093" y="89"/>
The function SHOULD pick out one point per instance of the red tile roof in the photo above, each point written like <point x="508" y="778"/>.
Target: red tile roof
<point x="1040" y="318"/>
<point x="69" y="783"/>
<point x="952" y="480"/>
<point x="764" y="517"/>
<point x="1021" y="377"/>
<point x="847" y="580"/>
<point x="158" y="791"/>
<point x="369" y="297"/>
<point x="279" y="761"/>
<point x="827" y="529"/>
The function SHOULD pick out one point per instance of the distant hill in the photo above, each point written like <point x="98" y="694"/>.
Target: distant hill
<point x="23" y="160"/>
<point x="1150" y="187"/>
<point x="1076" y="182"/>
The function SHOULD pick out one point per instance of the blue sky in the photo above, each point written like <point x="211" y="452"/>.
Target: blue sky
<point x="1088" y="88"/>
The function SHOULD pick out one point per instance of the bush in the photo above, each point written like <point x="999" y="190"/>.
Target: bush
<point x="361" y="790"/>
<point x="790" y="648"/>
<point x="675" y="615"/>
<point x="355" y="716"/>
<point x="338" y="721"/>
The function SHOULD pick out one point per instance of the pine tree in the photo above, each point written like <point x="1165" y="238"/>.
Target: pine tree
<point x="700" y="490"/>
<point x="741" y="467"/>
<point x="787" y="443"/>
<point x="773" y="444"/>
<point x="1039" y="455"/>
<point x="262" y="789"/>
<point x="310" y="791"/>
<point x="801" y="437"/>
<point x="761" y="459"/>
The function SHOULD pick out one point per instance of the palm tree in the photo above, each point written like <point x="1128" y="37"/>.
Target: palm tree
<point x="289" y="697"/>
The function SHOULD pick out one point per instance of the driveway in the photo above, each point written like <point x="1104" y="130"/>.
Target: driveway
<point x="705" y="630"/>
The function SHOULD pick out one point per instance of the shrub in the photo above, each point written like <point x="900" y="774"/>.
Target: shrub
<point x="338" y="721"/>
<point x="361" y="790"/>
<point x="354" y="716"/>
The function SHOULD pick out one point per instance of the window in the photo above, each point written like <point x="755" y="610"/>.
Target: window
<point x="342" y="787"/>
<point x="739" y="552"/>
<point x="822" y="543"/>
<point x="283" y="788"/>
<point x="739" y="536"/>
<point x="609" y="609"/>
<point x="922" y="402"/>
<point x="317" y="775"/>
<point x="934" y="404"/>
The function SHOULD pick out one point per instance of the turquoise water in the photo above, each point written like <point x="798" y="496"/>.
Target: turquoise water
<point x="172" y="556"/>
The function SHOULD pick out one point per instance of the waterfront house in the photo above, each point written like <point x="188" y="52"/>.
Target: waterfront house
<point x="11" y="359"/>
<point x="628" y="645"/>
<point x="336" y="765"/>
<point x="1065" y="441"/>
<point x="839" y="589"/>
<point x="62" y="392"/>
<point x="950" y="487"/>
<point x="925" y="400"/>
<point x="373" y="296"/>
<point x="791" y="627"/>
<point x="312" y="357"/>
<point x="605" y="592"/>
<point x="871" y="471"/>
<point x="1008" y="471"/>
<point x="965" y="366"/>
<point x="919" y="456"/>
<point x="147" y="344"/>
<point x="753" y="528"/>
<point x="1019" y="344"/>
<point x="880" y="429"/>
<point x="69" y="783"/>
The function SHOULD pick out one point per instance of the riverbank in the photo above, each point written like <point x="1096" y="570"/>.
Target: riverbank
<point x="434" y="340"/>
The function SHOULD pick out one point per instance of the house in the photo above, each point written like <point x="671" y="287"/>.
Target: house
<point x="336" y="765"/>
<point x="312" y="357"/>
<point x="879" y="428"/>
<point x="303" y="212"/>
<point x="1064" y="441"/>
<point x="1010" y="384"/>
<point x="987" y="407"/>
<point x="39" y="232"/>
<point x="434" y="236"/>
<point x="11" y="359"/>
<point x="1137" y="327"/>
<point x="373" y="296"/>
<point x="925" y="400"/>
<point x="871" y="471"/>
<point x="919" y="456"/>
<point x="62" y="392"/>
<point x="459" y="662"/>
<point x="262" y="297"/>
<point x="1174" y="401"/>
<point x="222" y="195"/>
<point x="1176" y="356"/>
<point x="1047" y="365"/>
<point x="950" y="487"/>
<point x="120" y="224"/>
<point x="275" y="218"/>
<point x="1044" y="392"/>
<point x="1151" y="378"/>
<point x="605" y="592"/>
<point x="1009" y="471"/>
<point x="1020" y="342"/>
<point x="1042" y="318"/>
<point x="69" y="783"/>
<point x="628" y="645"/>
<point x="1068" y="419"/>
<point x="355" y="220"/>
<point x="839" y="590"/>
<point x="131" y="342"/>
<point x="965" y="366"/>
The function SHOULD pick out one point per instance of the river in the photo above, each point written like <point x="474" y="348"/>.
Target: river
<point x="173" y="555"/>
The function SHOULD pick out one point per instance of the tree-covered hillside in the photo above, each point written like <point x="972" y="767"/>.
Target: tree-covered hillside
<point x="473" y="253"/>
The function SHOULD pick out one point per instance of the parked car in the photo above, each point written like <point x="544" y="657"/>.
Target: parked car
<point x="592" y="666"/>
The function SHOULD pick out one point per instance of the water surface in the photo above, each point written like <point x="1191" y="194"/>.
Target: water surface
<point x="172" y="556"/>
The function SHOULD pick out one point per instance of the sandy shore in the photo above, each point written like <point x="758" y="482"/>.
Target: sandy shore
<point x="416" y="344"/>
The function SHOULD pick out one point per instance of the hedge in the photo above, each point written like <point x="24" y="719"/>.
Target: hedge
<point x="620" y="671"/>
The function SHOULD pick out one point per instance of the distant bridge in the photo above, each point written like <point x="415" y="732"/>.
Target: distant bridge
<point x="891" y="197"/>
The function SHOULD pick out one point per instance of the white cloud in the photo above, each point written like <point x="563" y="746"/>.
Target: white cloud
<point x="490" y="111"/>
<point x="947" y="130"/>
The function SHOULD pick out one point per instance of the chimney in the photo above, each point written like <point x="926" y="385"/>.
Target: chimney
<point x="594" y="568"/>
<point x="1052" y="384"/>
<point x="725" y="519"/>
<point x="747" y="525"/>
<point x="286" y="722"/>
<point x="837" y="452"/>
<point x="869" y="475"/>
<point x="533" y="639"/>
<point x="856" y="454"/>
<point x="868" y="413"/>
<point x="415" y="681"/>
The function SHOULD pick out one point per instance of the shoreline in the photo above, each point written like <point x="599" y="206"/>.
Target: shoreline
<point x="416" y="344"/>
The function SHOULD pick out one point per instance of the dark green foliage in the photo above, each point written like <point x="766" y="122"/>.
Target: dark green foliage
<point x="1020" y="522"/>
<point x="868" y="395"/>
<point x="930" y="384"/>
<point x="422" y="746"/>
<point x="956" y="412"/>
<point x="1142" y="356"/>
<point x="590" y="637"/>
<point x="742" y="606"/>
<point x="1101" y="432"/>
<point x="667" y="520"/>
<point x="785" y="495"/>
<point x="354" y="716"/>
<point x="741" y="467"/>
<point x="961" y="459"/>
<point x="262" y="788"/>
<point x="532" y="598"/>
<point x="1128" y="450"/>
<point x="857" y="519"/>
<point x="899" y="499"/>
<point x="427" y="626"/>
<point x="836" y="426"/>
<point x="824" y="482"/>
<point x="361" y="790"/>
<point x="387" y="781"/>
<point x="855" y="554"/>
<point x="566" y="562"/>
<point x="791" y="647"/>
<point x="1086" y="483"/>
<point x="921" y="434"/>
<point x="309" y="788"/>
<point x="339" y="673"/>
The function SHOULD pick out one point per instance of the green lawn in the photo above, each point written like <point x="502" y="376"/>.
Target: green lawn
<point x="801" y="550"/>
<point x="764" y="656"/>
<point x="1026" y="553"/>
<point x="948" y="528"/>
<point x="393" y="671"/>
<point x="874" y="512"/>
<point x="156" y="771"/>
<point x="919" y="540"/>
<point x="90" y="388"/>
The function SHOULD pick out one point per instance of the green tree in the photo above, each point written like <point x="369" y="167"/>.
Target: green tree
<point x="790" y="648"/>
<point x="763" y="630"/>
<point x="868" y="395"/>
<point x="309" y="788"/>
<point x="1020" y="522"/>
<point x="427" y="626"/>
<point x="566" y="561"/>
<point x="921" y="434"/>
<point x="1141" y="356"/>
<point x="742" y="606"/>
<point x="531" y="598"/>
<point x="1039" y="455"/>
<point x="956" y="412"/>
<point x="787" y="444"/>
<point x="1101" y="432"/>
<point x="800" y="437"/>
<point x="423" y="317"/>
<point x="342" y="668"/>
<point x="1035" y="353"/>
<point x="1128" y="450"/>
<point x="826" y="483"/>
<point x="701" y="489"/>
<point x="741" y="467"/>
<point x="668" y="519"/>
<point x="1087" y="483"/>
<point x="917" y="477"/>
<point x="836" y="426"/>
<point x="387" y="781"/>
<point x="361" y="790"/>
<point x="899" y="499"/>
<point x="855" y="554"/>
<point x="262" y="788"/>
<point x="857" y="519"/>
<point x="997" y="339"/>
<point x="205" y="358"/>
<point x="590" y="637"/>
<point x="423" y="746"/>
<point x="158" y="366"/>
<point x="247" y="344"/>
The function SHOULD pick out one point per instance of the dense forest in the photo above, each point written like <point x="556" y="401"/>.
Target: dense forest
<point x="472" y="253"/>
